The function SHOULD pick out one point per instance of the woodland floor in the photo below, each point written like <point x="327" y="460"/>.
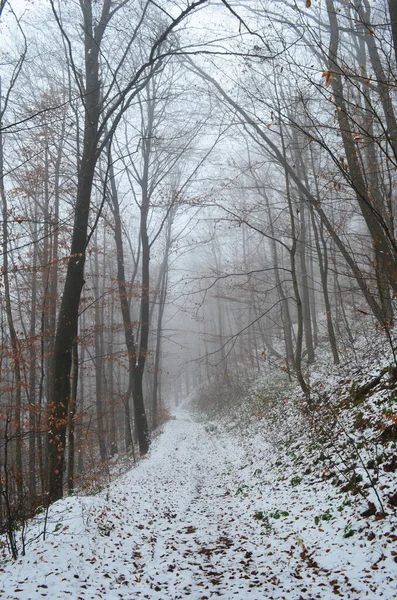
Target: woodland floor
<point x="187" y="522"/>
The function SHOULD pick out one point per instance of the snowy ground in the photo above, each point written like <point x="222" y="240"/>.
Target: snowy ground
<point x="203" y="517"/>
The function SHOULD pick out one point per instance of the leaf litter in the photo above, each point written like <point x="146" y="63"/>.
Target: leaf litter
<point x="208" y="514"/>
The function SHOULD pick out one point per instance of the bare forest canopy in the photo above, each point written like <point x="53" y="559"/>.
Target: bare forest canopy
<point x="190" y="191"/>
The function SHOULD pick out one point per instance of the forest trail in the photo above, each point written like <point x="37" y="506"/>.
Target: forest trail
<point x="181" y="525"/>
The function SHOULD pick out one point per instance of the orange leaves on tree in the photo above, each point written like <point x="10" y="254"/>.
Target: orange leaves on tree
<point x="328" y="78"/>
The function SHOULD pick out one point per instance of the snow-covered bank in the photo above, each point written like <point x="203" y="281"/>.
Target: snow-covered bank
<point x="203" y="516"/>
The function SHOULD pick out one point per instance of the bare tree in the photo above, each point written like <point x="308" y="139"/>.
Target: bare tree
<point x="101" y="117"/>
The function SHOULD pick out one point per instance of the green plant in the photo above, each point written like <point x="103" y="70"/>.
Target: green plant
<point x="326" y="516"/>
<point x="264" y="518"/>
<point x="296" y="480"/>
<point x="276" y="514"/>
<point x="345" y="503"/>
<point x="242" y="489"/>
<point x="348" y="531"/>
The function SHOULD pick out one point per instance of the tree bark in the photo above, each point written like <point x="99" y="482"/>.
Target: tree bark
<point x="393" y="21"/>
<point x="15" y="350"/>
<point x="141" y="424"/>
<point x="100" y="394"/>
<point x="157" y="352"/>
<point x="32" y="373"/>
<point x="72" y="416"/>
<point x="385" y="259"/>
<point x="74" y="281"/>
<point x="124" y="305"/>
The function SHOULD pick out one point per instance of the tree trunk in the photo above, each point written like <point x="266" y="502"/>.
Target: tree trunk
<point x="285" y="312"/>
<point x="112" y="395"/>
<point x="323" y="266"/>
<point x="393" y="21"/>
<point x="161" y="306"/>
<point x="99" y="366"/>
<point x="32" y="373"/>
<point x="292" y="255"/>
<point x="74" y="281"/>
<point x="385" y="259"/>
<point x="124" y="305"/>
<point x="306" y="308"/>
<point x="72" y="416"/>
<point x="15" y="350"/>
<point x="141" y="424"/>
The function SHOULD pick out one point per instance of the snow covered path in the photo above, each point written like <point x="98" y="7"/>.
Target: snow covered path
<point x="181" y="525"/>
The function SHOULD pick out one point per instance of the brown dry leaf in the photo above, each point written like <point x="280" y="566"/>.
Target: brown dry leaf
<point x="328" y="78"/>
<point x="380" y="516"/>
<point x="308" y="3"/>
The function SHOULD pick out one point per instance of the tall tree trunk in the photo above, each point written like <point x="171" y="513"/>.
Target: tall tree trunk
<point x="15" y="350"/>
<point x="112" y="392"/>
<point x="52" y="285"/>
<point x="32" y="372"/>
<point x="79" y="431"/>
<point x="68" y="315"/>
<point x="306" y="308"/>
<point x="312" y="290"/>
<point x="285" y="312"/>
<point x="385" y="258"/>
<point x="141" y="424"/>
<point x="72" y="416"/>
<point x="323" y="266"/>
<point x="124" y="305"/>
<point x="162" y="295"/>
<point x="298" y="157"/>
<point x="100" y="394"/>
<point x="157" y="351"/>
<point x="298" y="301"/>
<point x="393" y="21"/>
